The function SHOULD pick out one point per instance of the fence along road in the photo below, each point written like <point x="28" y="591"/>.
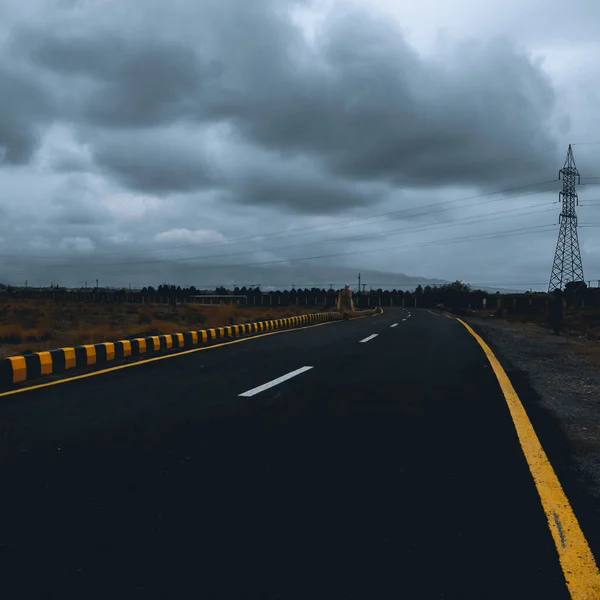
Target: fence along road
<point x="384" y="469"/>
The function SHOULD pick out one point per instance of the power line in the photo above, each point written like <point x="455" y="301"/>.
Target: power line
<point x="511" y="283"/>
<point x="336" y="225"/>
<point x="492" y="235"/>
<point x="412" y="229"/>
<point x="486" y="236"/>
<point x="489" y="235"/>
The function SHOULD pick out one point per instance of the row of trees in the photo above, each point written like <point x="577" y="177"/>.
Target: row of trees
<point x="456" y="295"/>
<point x="165" y="289"/>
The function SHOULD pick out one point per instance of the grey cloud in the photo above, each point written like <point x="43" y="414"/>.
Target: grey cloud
<point x="25" y="108"/>
<point x="304" y="275"/>
<point x="227" y="118"/>
<point x="296" y="185"/>
<point x="377" y="111"/>
<point x="75" y="207"/>
<point x="127" y="82"/>
<point x="312" y="196"/>
<point x="362" y="103"/>
<point x="74" y="212"/>
<point x="545" y="21"/>
<point x="82" y="54"/>
<point x="70" y="163"/>
<point x="539" y="23"/>
<point x="154" y="161"/>
<point x="154" y="85"/>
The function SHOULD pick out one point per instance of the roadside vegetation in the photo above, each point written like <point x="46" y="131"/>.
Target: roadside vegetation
<point x="37" y="325"/>
<point x="578" y="321"/>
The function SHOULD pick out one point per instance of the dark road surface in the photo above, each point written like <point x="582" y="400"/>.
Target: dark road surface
<point x="391" y="469"/>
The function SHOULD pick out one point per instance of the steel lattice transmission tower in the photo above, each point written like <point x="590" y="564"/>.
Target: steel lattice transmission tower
<point x="567" y="258"/>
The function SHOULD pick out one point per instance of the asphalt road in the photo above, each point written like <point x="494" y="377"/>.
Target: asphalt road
<point x="389" y="469"/>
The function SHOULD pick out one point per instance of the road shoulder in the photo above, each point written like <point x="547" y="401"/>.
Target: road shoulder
<point x="558" y="388"/>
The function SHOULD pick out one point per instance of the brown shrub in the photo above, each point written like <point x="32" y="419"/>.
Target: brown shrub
<point x="47" y="324"/>
<point x="11" y="334"/>
<point x="144" y="318"/>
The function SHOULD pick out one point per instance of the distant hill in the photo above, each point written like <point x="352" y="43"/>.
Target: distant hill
<point x="322" y="277"/>
<point x="499" y="289"/>
<point x="302" y="276"/>
<point x="278" y="278"/>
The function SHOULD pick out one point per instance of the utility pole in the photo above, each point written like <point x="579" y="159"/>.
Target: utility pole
<point x="567" y="265"/>
<point x="359" y="283"/>
<point x="96" y="285"/>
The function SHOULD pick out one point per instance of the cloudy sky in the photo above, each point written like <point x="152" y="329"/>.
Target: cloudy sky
<point x="214" y="142"/>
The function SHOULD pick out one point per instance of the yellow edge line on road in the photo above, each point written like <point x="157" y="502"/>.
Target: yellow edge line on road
<point x="576" y="559"/>
<point x="174" y="355"/>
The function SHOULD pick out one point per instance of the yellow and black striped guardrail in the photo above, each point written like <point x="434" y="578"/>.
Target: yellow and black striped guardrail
<point x="17" y="369"/>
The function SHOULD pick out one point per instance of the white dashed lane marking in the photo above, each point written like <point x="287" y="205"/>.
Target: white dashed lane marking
<point x="274" y="382"/>
<point x="368" y="339"/>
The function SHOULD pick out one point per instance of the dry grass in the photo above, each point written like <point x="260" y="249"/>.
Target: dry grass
<point x="36" y="325"/>
<point x="584" y="322"/>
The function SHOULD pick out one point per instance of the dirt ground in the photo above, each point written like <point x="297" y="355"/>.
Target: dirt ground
<point x="564" y="372"/>
<point x="36" y="325"/>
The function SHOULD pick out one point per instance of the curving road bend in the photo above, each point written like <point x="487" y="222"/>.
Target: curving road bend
<point x="374" y="458"/>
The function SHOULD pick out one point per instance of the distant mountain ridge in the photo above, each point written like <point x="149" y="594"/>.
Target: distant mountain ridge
<point x="278" y="278"/>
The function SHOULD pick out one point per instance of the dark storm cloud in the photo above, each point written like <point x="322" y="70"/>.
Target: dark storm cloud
<point x="375" y="110"/>
<point x="312" y="196"/>
<point x="368" y="107"/>
<point x="25" y="109"/>
<point x="300" y="185"/>
<point x="132" y="82"/>
<point x="154" y="162"/>
<point x="360" y="102"/>
<point x="76" y="205"/>
<point x="70" y="163"/>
